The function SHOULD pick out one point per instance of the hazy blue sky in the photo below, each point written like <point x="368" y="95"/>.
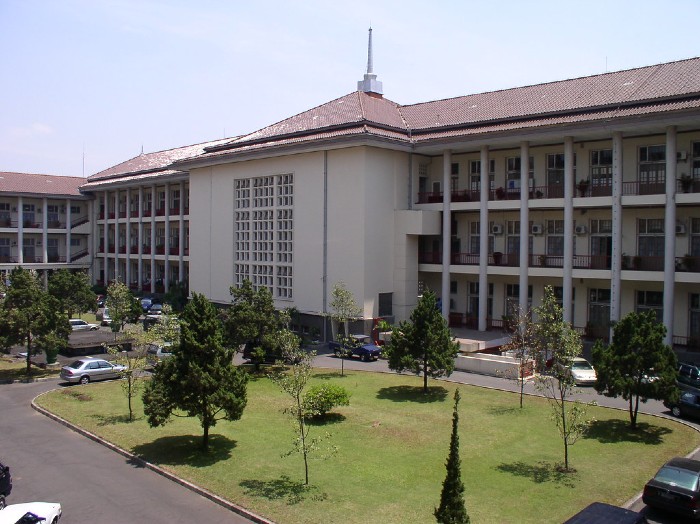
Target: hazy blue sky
<point x="108" y="77"/>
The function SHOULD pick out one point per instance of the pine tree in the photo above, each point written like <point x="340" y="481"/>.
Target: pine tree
<point x="452" y="509"/>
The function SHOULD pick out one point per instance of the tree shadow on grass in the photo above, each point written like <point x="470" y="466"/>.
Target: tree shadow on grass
<point x="328" y="376"/>
<point x="504" y="410"/>
<point x="103" y="420"/>
<point x="539" y="472"/>
<point x="186" y="450"/>
<point x="328" y="418"/>
<point x="413" y="394"/>
<point x="618" y="430"/>
<point x="282" y="488"/>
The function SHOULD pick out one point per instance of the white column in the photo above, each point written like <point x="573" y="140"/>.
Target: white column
<point x="127" y="275"/>
<point x="524" y="222"/>
<point x="105" y="239"/>
<point x="69" y="222"/>
<point x="483" y="238"/>
<point x="140" y="239"/>
<point x="446" y="231"/>
<point x="166" y="275"/>
<point x="670" y="228"/>
<point x="154" y="203"/>
<point x="616" y="255"/>
<point x="20" y="230"/>
<point x="44" y="230"/>
<point x="568" y="228"/>
<point x="116" y="235"/>
<point x="181" y="237"/>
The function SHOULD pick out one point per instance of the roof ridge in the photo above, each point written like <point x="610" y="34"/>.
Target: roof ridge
<point x="41" y="174"/>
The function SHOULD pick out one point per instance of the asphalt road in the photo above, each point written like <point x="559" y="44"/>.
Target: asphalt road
<point x="50" y="462"/>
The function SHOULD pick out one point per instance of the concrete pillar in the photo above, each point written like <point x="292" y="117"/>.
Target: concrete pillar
<point x="569" y="182"/>
<point x="140" y="240"/>
<point x="446" y="231"/>
<point x="483" y="238"/>
<point x="181" y="236"/>
<point x="154" y="203"/>
<point x="105" y="239"/>
<point x="127" y="275"/>
<point x="44" y="230"/>
<point x="166" y="275"/>
<point x="116" y="236"/>
<point x="69" y="223"/>
<point x="20" y="230"/>
<point x="524" y="222"/>
<point x="670" y="228"/>
<point x="616" y="255"/>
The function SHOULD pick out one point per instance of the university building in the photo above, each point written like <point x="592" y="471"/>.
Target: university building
<point x="590" y="185"/>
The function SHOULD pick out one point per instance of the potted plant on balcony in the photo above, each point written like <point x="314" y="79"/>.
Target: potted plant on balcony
<point x="543" y="260"/>
<point x="689" y="262"/>
<point x="497" y="257"/>
<point x="500" y="193"/>
<point x="582" y="186"/>
<point x="686" y="183"/>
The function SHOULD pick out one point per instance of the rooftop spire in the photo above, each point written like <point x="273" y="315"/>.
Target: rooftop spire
<point x="370" y="84"/>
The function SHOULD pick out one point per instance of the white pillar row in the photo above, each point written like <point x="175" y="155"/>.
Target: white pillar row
<point x="483" y="237"/>
<point x="105" y="238"/>
<point x="154" y="203"/>
<point x="181" y="236"/>
<point x="44" y="230"/>
<point x="524" y="222"/>
<point x="20" y="230"/>
<point x="140" y="240"/>
<point x="69" y="223"/>
<point x="569" y="182"/>
<point x="127" y="276"/>
<point x="670" y="228"/>
<point x="166" y="275"/>
<point x="616" y="255"/>
<point x="116" y="235"/>
<point x="446" y="231"/>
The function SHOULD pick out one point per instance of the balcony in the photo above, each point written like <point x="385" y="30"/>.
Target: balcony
<point x="187" y="211"/>
<point x="175" y="210"/>
<point x="6" y="259"/>
<point x="111" y="248"/>
<point x="642" y="263"/>
<point x="30" y="224"/>
<point x="146" y="249"/>
<point x="101" y="248"/>
<point x="111" y="215"/>
<point x="146" y="212"/>
<point x="688" y="264"/>
<point x="160" y="212"/>
<point x="134" y="213"/>
<point x="122" y="250"/>
<point x="55" y="258"/>
<point x="122" y="214"/>
<point x="643" y="188"/>
<point x="160" y="250"/>
<point x="174" y="251"/>
<point x="134" y="250"/>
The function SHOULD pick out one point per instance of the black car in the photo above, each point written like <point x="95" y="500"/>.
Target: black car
<point x="5" y="484"/>
<point x="688" y="406"/>
<point x="688" y="378"/>
<point x="676" y="488"/>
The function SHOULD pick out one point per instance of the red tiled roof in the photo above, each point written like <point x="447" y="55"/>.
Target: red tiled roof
<point x="149" y="162"/>
<point x="29" y="183"/>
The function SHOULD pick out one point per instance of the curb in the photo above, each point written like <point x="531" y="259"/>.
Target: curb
<point x="160" y="471"/>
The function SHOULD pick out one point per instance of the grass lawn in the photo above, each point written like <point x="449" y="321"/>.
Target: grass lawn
<point x="12" y="368"/>
<point x="392" y="445"/>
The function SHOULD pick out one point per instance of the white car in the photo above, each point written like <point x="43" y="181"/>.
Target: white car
<point x="78" y="324"/>
<point x="582" y="372"/>
<point x="31" y="513"/>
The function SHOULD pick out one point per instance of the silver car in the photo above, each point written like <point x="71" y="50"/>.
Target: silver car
<point x="78" y="324"/>
<point x="89" y="369"/>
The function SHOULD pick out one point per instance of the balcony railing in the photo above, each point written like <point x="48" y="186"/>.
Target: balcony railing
<point x="146" y="212"/>
<point x="79" y="221"/>
<point x="160" y="212"/>
<point x="78" y="255"/>
<point x="688" y="264"/>
<point x="122" y="250"/>
<point x="174" y="251"/>
<point x="56" y="258"/>
<point x="642" y="263"/>
<point x="146" y="249"/>
<point x="643" y="188"/>
<point x="134" y="213"/>
<point x="174" y="210"/>
<point x="4" y="259"/>
<point x="134" y="250"/>
<point x="160" y="250"/>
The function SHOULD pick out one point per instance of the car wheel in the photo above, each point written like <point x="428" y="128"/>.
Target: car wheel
<point x="2" y="501"/>
<point x="365" y="358"/>
<point x="676" y="411"/>
<point x="85" y="380"/>
<point x="94" y="328"/>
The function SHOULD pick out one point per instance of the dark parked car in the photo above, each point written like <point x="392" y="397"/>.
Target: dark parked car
<point x="601" y="513"/>
<point x="146" y="304"/>
<point x="688" y="378"/>
<point x="675" y="488"/>
<point x="356" y="346"/>
<point x="687" y="406"/>
<point x="5" y="484"/>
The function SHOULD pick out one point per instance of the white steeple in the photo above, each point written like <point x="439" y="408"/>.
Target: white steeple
<point x="370" y="84"/>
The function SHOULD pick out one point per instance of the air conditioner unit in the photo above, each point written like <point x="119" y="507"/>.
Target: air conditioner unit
<point x="496" y="229"/>
<point x="682" y="156"/>
<point x="536" y="229"/>
<point x="680" y="228"/>
<point x="581" y="230"/>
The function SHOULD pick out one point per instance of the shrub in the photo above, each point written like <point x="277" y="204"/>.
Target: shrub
<point x="320" y="399"/>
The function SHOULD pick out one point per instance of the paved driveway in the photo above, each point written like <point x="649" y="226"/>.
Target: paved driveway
<point x="49" y="462"/>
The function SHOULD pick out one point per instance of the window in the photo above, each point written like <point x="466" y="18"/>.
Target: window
<point x="52" y="215"/>
<point x="28" y="216"/>
<point x="513" y="173"/>
<point x="74" y="210"/>
<point x="147" y="202"/>
<point x="601" y="169"/>
<point x="651" y="237"/>
<point x="599" y="308"/>
<point x="513" y="299"/>
<point x="651" y="301"/>
<point x="385" y="308"/>
<point x="473" y="301"/>
<point x="4" y="249"/>
<point x="555" y="237"/>
<point x="652" y="169"/>
<point x="694" y="318"/>
<point x="4" y="214"/>
<point x="694" y="237"/>
<point x="475" y="238"/>
<point x="475" y="174"/>
<point x="175" y="200"/>
<point x="695" y="170"/>
<point x="75" y="242"/>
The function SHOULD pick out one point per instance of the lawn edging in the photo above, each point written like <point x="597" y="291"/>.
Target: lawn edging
<point x="145" y="464"/>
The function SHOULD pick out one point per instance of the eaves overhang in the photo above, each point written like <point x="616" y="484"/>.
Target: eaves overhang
<point x="136" y="178"/>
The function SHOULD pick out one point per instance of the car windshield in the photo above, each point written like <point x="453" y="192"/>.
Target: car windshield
<point x="76" y="365"/>
<point x="581" y="364"/>
<point x="678" y="477"/>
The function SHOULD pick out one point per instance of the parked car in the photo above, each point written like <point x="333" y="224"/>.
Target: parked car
<point x="158" y="352"/>
<point x="89" y="369"/>
<point x="103" y="317"/>
<point x="31" y="513"/>
<point x="5" y="484"/>
<point x="601" y="513"/>
<point x="687" y="406"/>
<point x="78" y="324"/>
<point x="675" y="487"/>
<point x="146" y="303"/>
<point x="155" y="309"/>
<point x="688" y="378"/>
<point x="582" y="372"/>
<point x="356" y="345"/>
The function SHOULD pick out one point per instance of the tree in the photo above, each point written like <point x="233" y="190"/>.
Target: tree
<point x="122" y="305"/>
<point x="452" y="509"/>
<point x="293" y="383"/>
<point x="558" y="343"/>
<point x="423" y="344"/>
<point x="251" y="316"/>
<point x="637" y="365"/>
<point x="521" y="345"/>
<point x="132" y="376"/>
<point x="200" y="378"/>
<point x="73" y="291"/>
<point x="344" y="308"/>
<point x="29" y="316"/>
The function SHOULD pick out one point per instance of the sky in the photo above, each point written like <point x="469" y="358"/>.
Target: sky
<point x="87" y="84"/>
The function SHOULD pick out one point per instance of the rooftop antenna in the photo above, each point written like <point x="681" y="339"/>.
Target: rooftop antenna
<point x="370" y="84"/>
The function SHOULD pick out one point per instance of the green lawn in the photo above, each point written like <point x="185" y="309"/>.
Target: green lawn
<point x="12" y="368"/>
<point x="392" y="445"/>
